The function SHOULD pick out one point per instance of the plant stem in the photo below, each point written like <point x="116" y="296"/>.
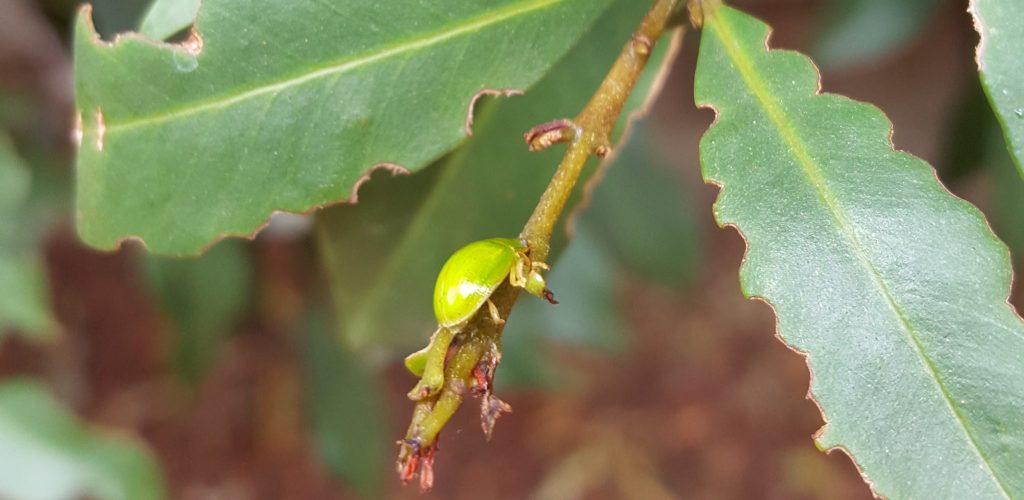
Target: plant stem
<point x="479" y="341"/>
<point x="593" y="127"/>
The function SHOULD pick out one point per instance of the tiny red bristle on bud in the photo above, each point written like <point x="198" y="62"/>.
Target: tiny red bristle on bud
<point x="550" y="297"/>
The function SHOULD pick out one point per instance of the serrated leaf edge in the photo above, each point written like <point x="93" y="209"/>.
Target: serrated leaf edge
<point x="979" y="51"/>
<point x="193" y="45"/>
<point x="333" y="68"/>
<point x="855" y="245"/>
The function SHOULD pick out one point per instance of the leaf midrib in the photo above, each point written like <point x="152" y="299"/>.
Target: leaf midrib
<point x="340" y="67"/>
<point x="770" y="103"/>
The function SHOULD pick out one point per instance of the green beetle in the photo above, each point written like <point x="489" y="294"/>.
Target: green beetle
<point x="464" y="285"/>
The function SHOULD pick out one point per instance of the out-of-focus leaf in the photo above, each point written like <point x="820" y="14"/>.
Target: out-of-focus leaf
<point x="966" y="146"/>
<point x="587" y="313"/>
<point x="24" y="301"/>
<point x="167" y="17"/>
<point x="285" y="107"/>
<point x="47" y="454"/>
<point x="895" y="289"/>
<point x="15" y="184"/>
<point x="344" y="409"/>
<point x="24" y="295"/>
<point x="203" y="298"/>
<point x="1001" y="26"/>
<point x="584" y="284"/>
<point x="524" y="363"/>
<point x="641" y="213"/>
<point x="857" y="31"/>
<point x="384" y="253"/>
<point x="1008" y="197"/>
<point x="975" y="146"/>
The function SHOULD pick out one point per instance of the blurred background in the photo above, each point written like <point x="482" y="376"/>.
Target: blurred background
<point x="227" y="376"/>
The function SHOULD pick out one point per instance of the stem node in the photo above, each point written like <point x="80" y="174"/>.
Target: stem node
<point x="548" y="134"/>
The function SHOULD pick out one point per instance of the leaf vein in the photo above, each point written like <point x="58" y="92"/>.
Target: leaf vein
<point x="755" y="82"/>
<point x="345" y="65"/>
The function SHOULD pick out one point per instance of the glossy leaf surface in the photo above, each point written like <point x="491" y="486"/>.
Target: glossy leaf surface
<point x="384" y="253"/>
<point x="999" y="22"/>
<point x="287" y="106"/>
<point x="895" y="289"/>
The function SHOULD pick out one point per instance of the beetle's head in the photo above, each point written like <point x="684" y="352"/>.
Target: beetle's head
<point x="526" y="246"/>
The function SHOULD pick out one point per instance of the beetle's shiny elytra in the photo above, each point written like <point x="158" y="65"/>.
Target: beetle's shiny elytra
<point x="472" y="273"/>
<point x="464" y="285"/>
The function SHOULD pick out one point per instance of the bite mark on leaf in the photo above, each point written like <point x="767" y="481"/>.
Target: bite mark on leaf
<point x="394" y="168"/>
<point x="192" y="45"/>
<point x="972" y="8"/>
<point x="353" y="198"/>
<point x="491" y="92"/>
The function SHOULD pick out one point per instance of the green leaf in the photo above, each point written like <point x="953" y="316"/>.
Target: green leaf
<point x="48" y="454"/>
<point x="641" y="213"/>
<point x="965" y="140"/>
<point x="857" y="31"/>
<point x="286" y="107"/>
<point x="168" y="17"/>
<point x="344" y="409"/>
<point x="1008" y="205"/>
<point x="895" y="289"/>
<point x="203" y="298"/>
<point x="24" y="294"/>
<point x="1007" y="197"/>
<point x="999" y="61"/>
<point x="24" y="298"/>
<point x="383" y="254"/>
